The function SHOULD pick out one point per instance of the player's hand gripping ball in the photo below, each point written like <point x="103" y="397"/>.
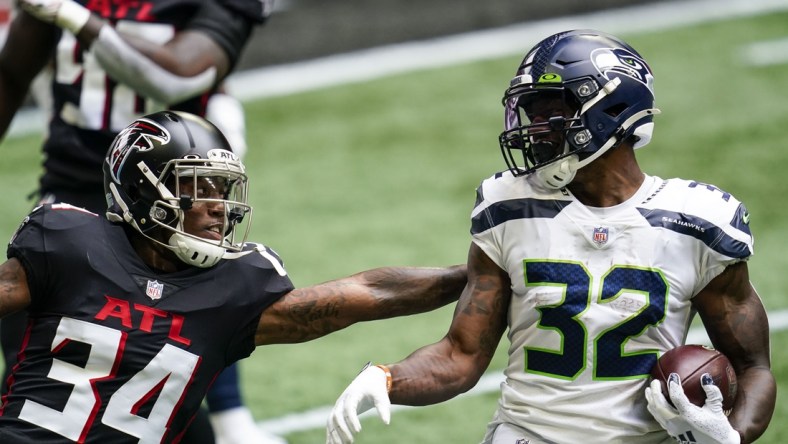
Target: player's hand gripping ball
<point x="692" y="361"/>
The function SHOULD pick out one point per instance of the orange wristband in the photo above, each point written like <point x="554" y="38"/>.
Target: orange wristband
<point x="388" y="376"/>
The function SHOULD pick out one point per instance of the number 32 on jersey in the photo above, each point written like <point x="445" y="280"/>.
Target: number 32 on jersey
<point x="610" y="359"/>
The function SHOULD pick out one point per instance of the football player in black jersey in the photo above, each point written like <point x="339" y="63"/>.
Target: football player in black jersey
<point x="112" y="62"/>
<point x="134" y="312"/>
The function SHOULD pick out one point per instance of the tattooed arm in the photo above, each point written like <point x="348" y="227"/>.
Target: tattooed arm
<point x="736" y="322"/>
<point x="439" y="371"/>
<point x="453" y="365"/>
<point x="309" y="313"/>
<point x="14" y="293"/>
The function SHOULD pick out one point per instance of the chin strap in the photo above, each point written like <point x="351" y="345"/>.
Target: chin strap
<point x="195" y="252"/>
<point x="559" y="173"/>
<point x="199" y="253"/>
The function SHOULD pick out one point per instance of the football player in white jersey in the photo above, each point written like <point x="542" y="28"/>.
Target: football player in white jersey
<point x="595" y="268"/>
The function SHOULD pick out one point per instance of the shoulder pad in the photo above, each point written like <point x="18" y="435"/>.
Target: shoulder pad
<point x="261" y="256"/>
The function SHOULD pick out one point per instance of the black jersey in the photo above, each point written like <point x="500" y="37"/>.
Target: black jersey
<point x="114" y="351"/>
<point x="90" y="108"/>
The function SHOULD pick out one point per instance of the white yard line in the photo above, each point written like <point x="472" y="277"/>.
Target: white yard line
<point x="374" y="63"/>
<point x="767" y="53"/>
<point x="510" y="40"/>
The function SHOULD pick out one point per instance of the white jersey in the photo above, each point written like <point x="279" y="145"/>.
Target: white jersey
<point x="597" y="295"/>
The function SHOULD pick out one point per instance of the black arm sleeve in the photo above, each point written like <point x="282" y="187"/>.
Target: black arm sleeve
<point x="229" y="28"/>
<point x="255" y="10"/>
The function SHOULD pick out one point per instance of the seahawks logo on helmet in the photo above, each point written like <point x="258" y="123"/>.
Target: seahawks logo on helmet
<point x="621" y="61"/>
<point x="139" y="136"/>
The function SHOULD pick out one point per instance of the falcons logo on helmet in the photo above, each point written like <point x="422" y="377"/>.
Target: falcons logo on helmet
<point x="137" y="137"/>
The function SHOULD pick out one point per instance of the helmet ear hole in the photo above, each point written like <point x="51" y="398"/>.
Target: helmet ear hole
<point x="133" y="193"/>
<point x="185" y="202"/>
<point x="616" y="109"/>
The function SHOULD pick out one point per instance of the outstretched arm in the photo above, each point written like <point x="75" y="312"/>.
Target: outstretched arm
<point x="736" y="321"/>
<point x="454" y="365"/>
<point x="14" y="293"/>
<point x="308" y="313"/>
<point x="439" y="371"/>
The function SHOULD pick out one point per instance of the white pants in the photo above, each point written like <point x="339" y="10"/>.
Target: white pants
<point x="510" y="434"/>
<point x="506" y="433"/>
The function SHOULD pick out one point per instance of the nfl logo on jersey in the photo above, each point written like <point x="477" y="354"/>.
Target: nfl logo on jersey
<point x="154" y="290"/>
<point x="600" y="235"/>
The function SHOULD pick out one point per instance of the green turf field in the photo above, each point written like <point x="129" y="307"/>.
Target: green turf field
<point x="384" y="173"/>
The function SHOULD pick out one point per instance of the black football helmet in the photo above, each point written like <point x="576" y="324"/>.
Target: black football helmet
<point x="576" y="95"/>
<point x="150" y="165"/>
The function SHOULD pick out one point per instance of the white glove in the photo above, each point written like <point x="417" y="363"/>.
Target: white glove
<point x="369" y="389"/>
<point x="688" y="423"/>
<point x="66" y="14"/>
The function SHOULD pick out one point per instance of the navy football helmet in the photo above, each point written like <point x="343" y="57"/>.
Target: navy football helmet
<point x="163" y="165"/>
<point x="576" y="95"/>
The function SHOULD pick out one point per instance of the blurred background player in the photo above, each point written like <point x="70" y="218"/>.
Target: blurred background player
<point x="97" y="70"/>
<point x="593" y="268"/>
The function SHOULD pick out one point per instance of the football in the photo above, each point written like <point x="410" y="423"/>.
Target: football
<point x="692" y="361"/>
